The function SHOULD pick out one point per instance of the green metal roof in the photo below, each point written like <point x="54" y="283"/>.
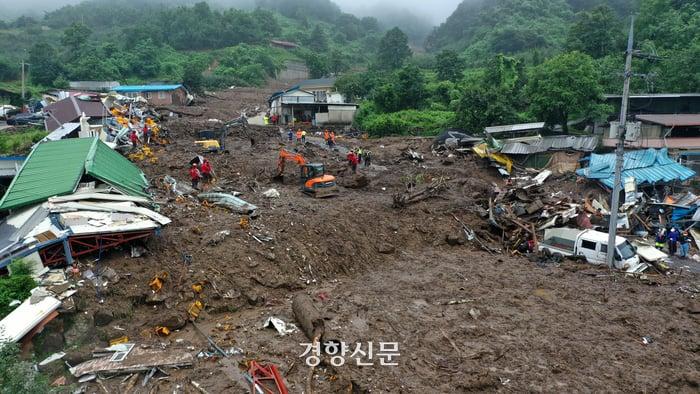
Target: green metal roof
<point x="55" y="168"/>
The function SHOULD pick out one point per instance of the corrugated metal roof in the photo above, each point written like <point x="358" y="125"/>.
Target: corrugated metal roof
<point x="70" y="109"/>
<point x="514" y="127"/>
<point x="62" y="131"/>
<point x="54" y="168"/>
<point x="650" y="166"/>
<point x="145" y="88"/>
<point x="112" y="168"/>
<point x="585" y="143"/>
<point x="670" y="120"/>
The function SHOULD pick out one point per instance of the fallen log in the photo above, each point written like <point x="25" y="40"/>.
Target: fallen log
<point x="308" y="316"/>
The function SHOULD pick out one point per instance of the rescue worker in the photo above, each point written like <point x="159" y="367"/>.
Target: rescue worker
<point x="359" y="155"/>
<point x="195" y="176"/>
<point x="327" y="137"/>
<point x="660" y="239"/>
<point x="134" y="139"/>
<point x="146" y="135"/>
<point x="352" y="161"/>
<point x="672" y="241"/>
<point x="206" y="172"/>
<point x="298" y="135"/>
<point x="303" y="136"/>
<point x="684" y="242"/>
<point x="368" y="158"/>
<point x="332" y="138"/>
<point x="290" y="135"/>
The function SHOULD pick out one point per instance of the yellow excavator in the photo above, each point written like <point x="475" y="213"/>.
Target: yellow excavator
<point x="315" y="181"/>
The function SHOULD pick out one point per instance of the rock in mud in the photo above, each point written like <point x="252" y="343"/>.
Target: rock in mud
<point x="102" y="317"/>
<point x="386" y="248"/>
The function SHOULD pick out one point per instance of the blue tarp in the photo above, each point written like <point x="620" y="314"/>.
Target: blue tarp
<point x="650" y="166"/>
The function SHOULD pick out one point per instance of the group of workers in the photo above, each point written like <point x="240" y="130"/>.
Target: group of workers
<point x="300" y="136"/>
<point x="357" y="156"/>
<point x="203" y="172"/>
<point x="675" y="240"/>
<point x="145" y="134"/>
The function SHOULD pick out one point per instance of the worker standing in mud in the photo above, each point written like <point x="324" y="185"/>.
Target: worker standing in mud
<point x="146" y="135"/>
<point x="195" y="176"/>
<point x="368" y="158"/>
<point x="352" y="161"/>
<point x="684" y="245"/>
<point x="134" y="139"/>
<point x="207" y="173"/>
<point x="327" y="137"/>
<point x="290" y="135"/>
<point x="360" y="153"/>
<point x="673" y="237"/>
<point x="303" y="136"/>
<point x="660" y="239"/>
<point x="332" y="138"/>
<point x="298" y="136"/>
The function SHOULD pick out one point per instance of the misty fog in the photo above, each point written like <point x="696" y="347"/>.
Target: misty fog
<point x="426" y="13"/>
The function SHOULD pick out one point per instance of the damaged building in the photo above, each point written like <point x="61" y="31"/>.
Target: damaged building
<point x="74" y="197"/>
<point x="314" y="102"/>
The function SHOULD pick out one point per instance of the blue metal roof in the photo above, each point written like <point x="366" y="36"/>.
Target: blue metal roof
<point x="650" y="166"/>
<point x="145" y="88"/>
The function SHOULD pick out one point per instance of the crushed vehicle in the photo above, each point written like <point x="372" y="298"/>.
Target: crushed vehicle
<point x="593" y="245"/>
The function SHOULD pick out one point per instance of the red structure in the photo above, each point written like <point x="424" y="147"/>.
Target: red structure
<point x="80" y="245"/>
<point x="266" y="377"/>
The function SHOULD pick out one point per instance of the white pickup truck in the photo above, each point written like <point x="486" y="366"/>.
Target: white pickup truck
<point x="593" y="245"/>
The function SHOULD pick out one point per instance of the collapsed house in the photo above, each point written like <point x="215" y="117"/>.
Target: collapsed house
<point x="71" y="198"/>
<point x="71" y="109"/>
<point x="649" y="167"/>
<point x="315" y="101"/>
<point x="175" y="94"/>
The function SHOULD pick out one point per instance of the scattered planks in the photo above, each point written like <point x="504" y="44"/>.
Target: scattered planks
<point x="431" y="190"/>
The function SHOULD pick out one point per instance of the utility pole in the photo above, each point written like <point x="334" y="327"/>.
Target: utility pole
<point x="23" y="94"/>
<point x="619" y="150"/>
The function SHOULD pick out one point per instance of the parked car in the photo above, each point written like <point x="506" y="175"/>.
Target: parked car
<point x="593" y="245"/>
<point x="26" y="118"/>
<point x="8" y="110"/>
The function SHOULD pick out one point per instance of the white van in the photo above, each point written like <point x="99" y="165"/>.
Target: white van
<point x="593" y="245"/>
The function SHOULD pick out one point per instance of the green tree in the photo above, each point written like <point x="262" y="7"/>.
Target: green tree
<point x="481" y="106"/>
<point x="318" y="40"/>
<point x="410" y="87"/>
<point x="317" y="64"/>
<point x="564" y="87"/>
<point x="18" y="376"/>
<point x="393" y="50"/>
<point x="8" y="72"/>
<point x="192" y="76"/>
<point x="596" y="32"/>
<point x="449" y="66"/>
<point x="75" y="36"/>
<point x="45" y="67"/>
<point x="355" y="86"/>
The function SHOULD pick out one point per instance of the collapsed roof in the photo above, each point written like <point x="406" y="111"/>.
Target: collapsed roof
<point x="649" y="166"/>
<point x="55" y="168"/>
<point x="70" y="109"/>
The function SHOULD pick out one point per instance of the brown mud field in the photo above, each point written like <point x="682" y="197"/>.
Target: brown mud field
<point x="464" y="319"/>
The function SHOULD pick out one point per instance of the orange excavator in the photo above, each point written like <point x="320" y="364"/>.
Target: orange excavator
<point x="315" y="181"/>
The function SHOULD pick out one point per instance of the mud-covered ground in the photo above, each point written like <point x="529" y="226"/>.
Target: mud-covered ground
<point x="464" y="320"/>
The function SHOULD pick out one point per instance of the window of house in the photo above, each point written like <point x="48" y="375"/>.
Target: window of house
<point x="162" y="95"/>
<point x="320" y="96"/>
<point x="588" y="244"/>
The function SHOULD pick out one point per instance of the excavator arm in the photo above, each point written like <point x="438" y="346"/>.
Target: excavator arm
<point x="286" y="156"/>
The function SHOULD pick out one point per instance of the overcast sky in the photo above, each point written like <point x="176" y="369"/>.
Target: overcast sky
<point x="436" y="11"/>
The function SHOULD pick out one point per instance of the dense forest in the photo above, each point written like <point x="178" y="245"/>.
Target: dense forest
<point x="491" y="61"/>
<point x="138" y="40"/>
<point x="503" y="61"/>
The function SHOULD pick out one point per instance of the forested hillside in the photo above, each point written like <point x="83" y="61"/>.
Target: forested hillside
<point x="139" y="40"/>
<point x="506" y="61"/>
